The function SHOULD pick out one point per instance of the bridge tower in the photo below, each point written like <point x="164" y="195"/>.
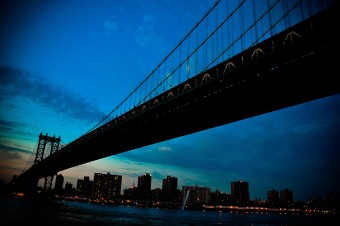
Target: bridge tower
<point x="54" y="145"/>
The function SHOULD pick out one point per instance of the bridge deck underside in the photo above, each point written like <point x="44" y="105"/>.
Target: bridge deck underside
<point x="301" y="71"/>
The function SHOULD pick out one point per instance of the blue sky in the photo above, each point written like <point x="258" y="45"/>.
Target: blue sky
<point x="64" y="65"/>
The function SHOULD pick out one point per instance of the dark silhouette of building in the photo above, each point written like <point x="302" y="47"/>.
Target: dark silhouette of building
<point x="219" y="198"/>
<point x="13" y="183"/>
<point x="59" y="182"/>
<point x="195" y="195"/>
<point x="240" y="193"/>
<point x="286" y="197"/>
<point x="84" y="187"/>
<point x="330" y="202"/>
<point x="68" y="188"/>
<point x="131" y="193"/>
<point x="144" y="186"/>
<point x="273" y="198"/>
<point x="169" y="189"/>
<point x="106" y="185"/>
<point x="4" y="188"/>
<point x="156" y="194"/>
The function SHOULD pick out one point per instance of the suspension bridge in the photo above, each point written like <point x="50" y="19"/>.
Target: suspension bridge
<point x="242" y="59"/>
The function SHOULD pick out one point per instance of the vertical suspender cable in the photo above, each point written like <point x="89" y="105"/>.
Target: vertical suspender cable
<point x="241" y="21"/>
<point x="196" y="54"/>
<point x="254" y="15"/>
<point x="286" y="19"/>
<point x="179" y="62"/>
<point x="301" y="11"/>
<point x="217" y="33"/>
<point x="309" y="8"/>
<point x="222" y="40"/>
<point x="172" y="68"/>
<point x="212" y="42"/>
<point x="206" y="44"/>
<point x="270" y="18"/>
<point x="229" y="33"/>
<point x="164" y="74"/>
<point x="188" y="60"/>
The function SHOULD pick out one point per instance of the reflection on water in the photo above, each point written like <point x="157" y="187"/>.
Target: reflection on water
<point x="24" y="212"/>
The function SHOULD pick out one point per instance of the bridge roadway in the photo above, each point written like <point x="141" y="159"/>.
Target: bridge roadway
<point x="298" y="65"/>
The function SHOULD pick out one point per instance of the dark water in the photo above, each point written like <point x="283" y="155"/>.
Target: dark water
<point x="24" y="212"/>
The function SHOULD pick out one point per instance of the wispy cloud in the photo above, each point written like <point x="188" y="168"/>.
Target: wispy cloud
<point x="110" y="27"/>
<point x="16" y="82"/>
<point x="11" y="168"/>
<point x="165" y="148"/>
<point x="129" y="169"/>
<point x="7" y="126"/>
<point x="158" y="175"/>
<point x="147" y="36"/>
<point x="9" y="155"/>
<point x="8" y="149"/>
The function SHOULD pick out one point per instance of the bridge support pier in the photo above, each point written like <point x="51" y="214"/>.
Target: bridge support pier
<point x="54" y="145"/>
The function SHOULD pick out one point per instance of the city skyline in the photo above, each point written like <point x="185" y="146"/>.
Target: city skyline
<point x="64" y="65"/>
<point x="231" y="185"/>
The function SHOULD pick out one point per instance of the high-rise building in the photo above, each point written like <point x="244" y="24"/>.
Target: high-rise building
<point x="106" y="185"/>
<point x="156" y="194"/>
<point x="84" y="187"/>
<point x="59" y="182"/>
<point x="273" y="198"/>
<point x="131" y="193"/>
<point x="219" y="198"/>
<point x="169" y="189"/>
<point x="68" y="188"/>
<point x="144" y="186"/>
<point x="195" y="195"/>
<point x="286" y="197"/>
<point x="240" y="192"/>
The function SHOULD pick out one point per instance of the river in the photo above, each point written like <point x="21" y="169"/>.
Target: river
<point x="17" y="211"/>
